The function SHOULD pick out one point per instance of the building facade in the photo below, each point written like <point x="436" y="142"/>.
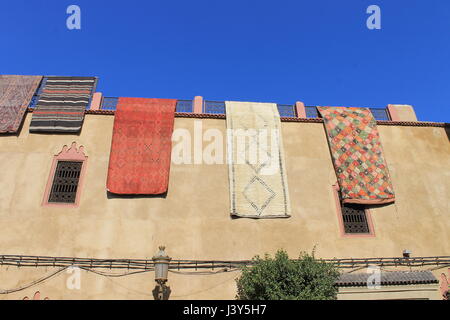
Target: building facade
<point x="193" y="219"/>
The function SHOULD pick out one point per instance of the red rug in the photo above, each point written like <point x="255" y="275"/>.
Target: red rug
<point x="141" y="146"/>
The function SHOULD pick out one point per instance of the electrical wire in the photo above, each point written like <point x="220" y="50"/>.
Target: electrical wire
<point x="439" y="267"/>
<point x="114" y="274"/>
<point x="205" y="273"/>
<point x="356" y="269"/>
<point x="53" y="274"/>
<point x="143" y="266"/>
<point x="33" y="283"/>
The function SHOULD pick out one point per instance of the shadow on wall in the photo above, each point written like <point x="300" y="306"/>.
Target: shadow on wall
<point x="58" y="133"/>
<point x="111" y="195"/>
<point x="17" y="133"/>
<point x="447" y="130"/>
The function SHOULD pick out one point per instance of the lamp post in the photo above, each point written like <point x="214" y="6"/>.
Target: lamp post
<point x="161" y="262"/>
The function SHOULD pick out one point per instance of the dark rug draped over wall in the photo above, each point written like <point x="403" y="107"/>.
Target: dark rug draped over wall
<point x="355" y="146"/>
<point x="62" y="104"/>
<point x="141" y="147"/>
<point x="16" y="93"/>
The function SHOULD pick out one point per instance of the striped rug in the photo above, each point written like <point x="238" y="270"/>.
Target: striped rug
<point x="16" y="93"/>
<point x="255" y="155"/>
<point x="62" y="104"/>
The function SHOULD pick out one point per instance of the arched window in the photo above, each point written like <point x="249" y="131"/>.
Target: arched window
<point x="354" y="219"/>
<point x="66" y="177"/>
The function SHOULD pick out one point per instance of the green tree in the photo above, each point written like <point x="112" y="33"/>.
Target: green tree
<point x="281" y="278"/>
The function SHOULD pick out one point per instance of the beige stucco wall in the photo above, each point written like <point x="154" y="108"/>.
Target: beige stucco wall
<point x="402" y="292"/>
<point x="193" y="221"/>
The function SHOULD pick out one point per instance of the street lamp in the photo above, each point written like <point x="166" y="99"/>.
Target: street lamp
<point x="161" y="263"/>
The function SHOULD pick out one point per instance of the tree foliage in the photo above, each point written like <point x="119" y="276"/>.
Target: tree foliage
<point x="281" y="278"/>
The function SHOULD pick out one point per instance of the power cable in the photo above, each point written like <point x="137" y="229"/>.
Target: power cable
<point x="33" y="283"/>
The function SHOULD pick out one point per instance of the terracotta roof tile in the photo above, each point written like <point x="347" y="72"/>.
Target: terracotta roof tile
<point x="387" y="278"/>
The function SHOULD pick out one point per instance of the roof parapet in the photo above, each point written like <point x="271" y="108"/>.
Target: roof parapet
<point x="401" y="112"/>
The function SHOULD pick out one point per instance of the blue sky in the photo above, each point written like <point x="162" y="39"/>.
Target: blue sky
<point x="319" y="52"/>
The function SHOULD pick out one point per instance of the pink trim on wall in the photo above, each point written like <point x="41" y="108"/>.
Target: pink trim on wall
<point x="393" y="112"/>
<point x="300" y="108"/>
<point x="96" y="101"/>
<point x="444" y="286"/>
<point x="66" y="154"/>
<point x="37" y="296"/>
<point x="198" y="104"/>
<point x="371" y="233"/>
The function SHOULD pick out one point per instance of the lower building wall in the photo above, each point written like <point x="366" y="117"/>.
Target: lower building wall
<point x="185" y="285"/>
<point x="193" y="220"/>
<point x="94" y="286"/>
<point x="401" y="292"/>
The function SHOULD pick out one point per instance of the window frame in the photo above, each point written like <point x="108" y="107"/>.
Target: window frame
<point x="340" y="217"/>
<point x="73" y="154"/>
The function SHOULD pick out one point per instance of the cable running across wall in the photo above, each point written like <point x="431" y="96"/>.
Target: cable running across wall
<point x="420" y="262"/>
<point x="147" y="264"/>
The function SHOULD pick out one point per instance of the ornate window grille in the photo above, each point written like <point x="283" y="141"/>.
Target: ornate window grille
<point x="311" y="112"/>
<point x="109" y="103"/>
<point x="65" y="182"/>
<point x="218" y="107"/>
<point x="286" y="110"/>
<point x="354" y="218"/>
<point x="66" y="177"/>
<point x="184" y="106"/>
<point x="215" y="107"/>
<point x="380" y="114"/>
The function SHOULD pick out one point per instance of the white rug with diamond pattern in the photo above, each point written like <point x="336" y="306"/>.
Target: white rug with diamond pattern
<point x="255" y="156"/>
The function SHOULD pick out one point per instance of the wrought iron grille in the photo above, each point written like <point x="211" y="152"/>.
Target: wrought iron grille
<point x="215" y="107"/>
<point x="286" y="110"/>
<point x="380" y="114"/>
<point x="355" y="219"/>
<point x="311" y="112"/>
<point x="184" y="106"/>
<point x="65" y="182"/>
<point x="109" y="103"/>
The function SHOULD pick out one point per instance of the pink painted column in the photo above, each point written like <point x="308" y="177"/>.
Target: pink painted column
<point x="96" y="101"/>
<point x="198" y="104"/>
<point x="402" y="112"/>
<point x="393" y="112"/>
<point x="300" y="108"/>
